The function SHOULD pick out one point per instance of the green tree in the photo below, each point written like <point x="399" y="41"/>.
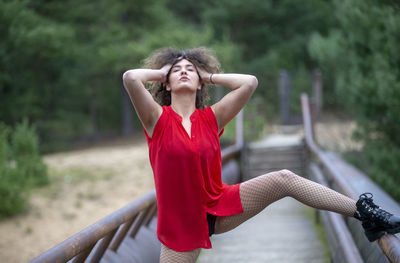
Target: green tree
<point x="271" y="35"/>
<point x="34" y="51"/>
<point x="63" y="61"/>
<point x="363" y="55"/>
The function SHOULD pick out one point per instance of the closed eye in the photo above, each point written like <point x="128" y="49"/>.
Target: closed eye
<point x="188" y="67"/>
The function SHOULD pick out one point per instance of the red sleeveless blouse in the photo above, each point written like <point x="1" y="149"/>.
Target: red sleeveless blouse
<point x="187" y="175"/>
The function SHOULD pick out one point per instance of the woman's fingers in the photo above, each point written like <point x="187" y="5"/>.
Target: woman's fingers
<point x="164" y="70"/>
<point x="204" y="75"/>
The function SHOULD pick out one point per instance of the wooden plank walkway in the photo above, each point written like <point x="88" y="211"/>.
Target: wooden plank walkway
<point x="275" y="152"/>
<point x="281" y="233"/>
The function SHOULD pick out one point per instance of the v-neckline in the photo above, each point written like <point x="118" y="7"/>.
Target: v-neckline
<point x="180" y="120"/>
<point x="189" y="133"/>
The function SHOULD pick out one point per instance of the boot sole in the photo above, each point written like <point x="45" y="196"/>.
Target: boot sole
<point x="372" y="236"/>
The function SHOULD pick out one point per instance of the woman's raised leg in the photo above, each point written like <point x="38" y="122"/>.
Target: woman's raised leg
<point x="256" y="194"/>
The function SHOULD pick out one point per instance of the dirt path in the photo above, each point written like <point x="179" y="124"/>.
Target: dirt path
<point x="86" y="185"/>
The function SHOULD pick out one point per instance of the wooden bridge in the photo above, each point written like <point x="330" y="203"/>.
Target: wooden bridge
<point x="128" y="235"/>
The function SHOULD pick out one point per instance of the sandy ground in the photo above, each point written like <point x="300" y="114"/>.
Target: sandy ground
<point x="86" y="185"/>
<point x="336" y="135"/>
<point x="331" y="133"/>
<point x="92" y="182"/>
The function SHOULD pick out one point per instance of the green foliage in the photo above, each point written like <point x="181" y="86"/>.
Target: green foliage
<point x="4" y="145"/>
<point x="25" y="151"/>
<point x="11" y="185"/>
<point x="384" y="165"/>
<point x="254" y="119"/>
<point x="363" y="55"/>
<point x="272" y="35"/>
<point x="62" y="62"/>
<point x="253" y="122"/>
<point x="380" y="162"/>
<point x="21" y="167"/>
<point x="12" y="192"/>
<point x="300" y="82"/>
<point x="24" y="141"/>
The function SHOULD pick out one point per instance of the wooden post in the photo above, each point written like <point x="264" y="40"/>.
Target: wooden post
<point x="316" y="93"/>
<point x="284" y="97"/>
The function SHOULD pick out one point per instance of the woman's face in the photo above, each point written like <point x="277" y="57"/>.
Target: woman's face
<point x="183" y="75"/>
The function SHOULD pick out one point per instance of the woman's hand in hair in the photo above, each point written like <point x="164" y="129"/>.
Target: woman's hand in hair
<point x="164" y="73"/>
<point x="204" y="76"/>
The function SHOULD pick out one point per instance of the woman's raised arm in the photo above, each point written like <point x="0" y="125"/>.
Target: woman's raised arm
<point x="146" y="107"/>
<point x="242" y="85"/>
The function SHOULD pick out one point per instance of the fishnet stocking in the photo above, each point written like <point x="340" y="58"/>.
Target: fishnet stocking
<point x="258" y="193"/>
<point x="171" y="256"/>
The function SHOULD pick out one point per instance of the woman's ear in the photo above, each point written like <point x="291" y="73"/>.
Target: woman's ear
<point x="167" y="87"/>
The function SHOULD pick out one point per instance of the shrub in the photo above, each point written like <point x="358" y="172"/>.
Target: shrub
<point x="21" y="167"/>
<point x="384" y="159"/>
<point x="12" y="192"/>
<point x="25" y="149"/>
<point x="11" y="185"/>
<point x="4" y="145"/>
<point x="24" y="141"/>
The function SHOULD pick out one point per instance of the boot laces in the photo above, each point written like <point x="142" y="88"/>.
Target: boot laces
<point x="374" y="210"/>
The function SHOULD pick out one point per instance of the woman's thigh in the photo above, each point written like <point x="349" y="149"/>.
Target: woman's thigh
<point x="255" y="195"/>
<point x="168" y="255"/>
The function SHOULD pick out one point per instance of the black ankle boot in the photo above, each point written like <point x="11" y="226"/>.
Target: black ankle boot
<point x="375" y="221"/>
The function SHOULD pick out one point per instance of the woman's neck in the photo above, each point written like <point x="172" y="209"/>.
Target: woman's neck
<point x="184" y="105"/>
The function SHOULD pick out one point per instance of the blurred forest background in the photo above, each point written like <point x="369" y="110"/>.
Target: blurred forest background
<point x="61" y="64"/>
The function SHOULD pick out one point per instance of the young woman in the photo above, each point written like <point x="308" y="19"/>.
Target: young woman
<point x="183" y="138"/>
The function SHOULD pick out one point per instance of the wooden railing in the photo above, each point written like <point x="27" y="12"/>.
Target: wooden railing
<point x="389" y="244"/>
<point x="90" y="244"/>
<point x="80" y="245"/>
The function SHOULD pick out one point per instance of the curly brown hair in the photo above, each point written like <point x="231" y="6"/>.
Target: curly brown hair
<point x="200" y="57"/>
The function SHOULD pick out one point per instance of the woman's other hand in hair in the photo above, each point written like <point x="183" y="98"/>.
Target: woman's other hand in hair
<point x="204" y="76"/>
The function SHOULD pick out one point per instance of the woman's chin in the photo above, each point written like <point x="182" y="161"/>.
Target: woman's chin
<point x="185" y="88"/>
